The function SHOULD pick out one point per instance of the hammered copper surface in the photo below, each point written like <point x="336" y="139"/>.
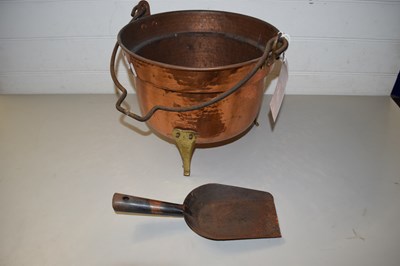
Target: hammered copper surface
<point x="185" y="58"/>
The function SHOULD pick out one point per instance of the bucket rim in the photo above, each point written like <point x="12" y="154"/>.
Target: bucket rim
<point x="185" y="68"/>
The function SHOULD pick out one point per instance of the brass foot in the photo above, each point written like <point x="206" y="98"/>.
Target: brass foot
<point x="185" y="141"/>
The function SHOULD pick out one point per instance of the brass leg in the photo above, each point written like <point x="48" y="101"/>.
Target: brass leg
<point x="185" y="141"/>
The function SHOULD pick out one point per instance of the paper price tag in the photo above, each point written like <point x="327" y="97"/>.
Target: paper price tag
<point x="277" y="97"/>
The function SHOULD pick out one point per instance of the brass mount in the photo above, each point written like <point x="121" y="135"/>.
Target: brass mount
<point x="185" y="141"/>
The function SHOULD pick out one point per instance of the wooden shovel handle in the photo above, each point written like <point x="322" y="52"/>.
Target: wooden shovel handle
<point x="133" y="204"/>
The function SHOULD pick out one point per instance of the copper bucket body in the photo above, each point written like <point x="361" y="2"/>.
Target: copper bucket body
<point x="186" y="58"/>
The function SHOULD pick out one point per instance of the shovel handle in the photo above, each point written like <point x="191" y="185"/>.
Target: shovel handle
<point x="133" y="204"/>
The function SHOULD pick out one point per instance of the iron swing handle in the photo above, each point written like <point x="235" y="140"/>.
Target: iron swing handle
<point x="142" y="9"/>
<point x="275" y="46"/>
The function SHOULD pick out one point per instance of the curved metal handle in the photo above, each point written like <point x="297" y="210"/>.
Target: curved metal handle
<point x="142" y="9"/>
<point x="275" y="46"/>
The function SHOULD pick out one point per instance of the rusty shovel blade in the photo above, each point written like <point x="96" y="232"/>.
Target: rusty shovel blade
<point x="215" y="211"/>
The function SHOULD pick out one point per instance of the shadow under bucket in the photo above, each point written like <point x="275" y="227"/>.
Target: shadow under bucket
<point x="199" y="75"/>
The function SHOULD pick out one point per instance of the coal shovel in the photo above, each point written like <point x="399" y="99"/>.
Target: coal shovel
<point x="214" y="211"/>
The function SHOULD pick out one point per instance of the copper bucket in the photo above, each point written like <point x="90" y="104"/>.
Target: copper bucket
<point x="199" y="75"/>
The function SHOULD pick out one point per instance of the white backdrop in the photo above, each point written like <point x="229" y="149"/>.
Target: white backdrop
<point x="349" y="47"/>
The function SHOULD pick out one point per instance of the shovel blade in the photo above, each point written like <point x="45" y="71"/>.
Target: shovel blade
<point x="222" y="212"/>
